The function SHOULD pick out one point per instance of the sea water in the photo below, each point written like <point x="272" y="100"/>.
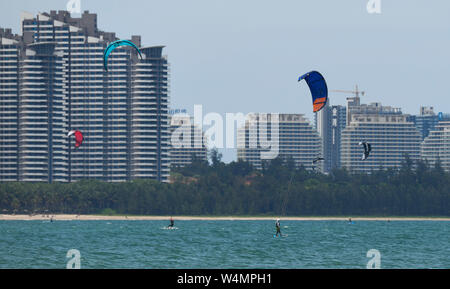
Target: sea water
<point x="225" y="244"/>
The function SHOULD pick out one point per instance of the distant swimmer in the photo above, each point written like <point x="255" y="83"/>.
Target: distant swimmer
<point x="278" y="226"/>
<point x="171" y="223"/>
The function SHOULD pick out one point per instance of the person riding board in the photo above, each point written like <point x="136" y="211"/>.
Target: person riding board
<point x="278" y="226"/>
<point x="171" y="222"/>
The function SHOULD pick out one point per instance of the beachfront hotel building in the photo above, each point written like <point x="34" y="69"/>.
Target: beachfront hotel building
<point x="392" y="137"/>
<point x="293" y="135"/>
<point x="187" y="142"/>
<point x="52" y="80"/>
<point x="436" y="146"/>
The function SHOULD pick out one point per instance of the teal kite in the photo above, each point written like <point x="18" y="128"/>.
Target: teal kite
<point x="114" y="45"/>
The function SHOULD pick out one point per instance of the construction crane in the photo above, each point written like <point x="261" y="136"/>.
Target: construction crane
<point x="356" y="92"/>
<point x="351" y="101"/>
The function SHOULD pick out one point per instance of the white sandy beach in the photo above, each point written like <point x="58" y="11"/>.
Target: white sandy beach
<point x="205" y="218"/>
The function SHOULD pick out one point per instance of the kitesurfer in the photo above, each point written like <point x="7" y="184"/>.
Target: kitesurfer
<point x="367" y="149"/>
<point x="278" y="227"/>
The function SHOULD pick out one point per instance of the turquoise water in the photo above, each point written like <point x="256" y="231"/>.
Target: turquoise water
<point x="224" y="244"/>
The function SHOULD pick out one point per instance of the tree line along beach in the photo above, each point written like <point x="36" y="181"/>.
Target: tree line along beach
<point x="237" y="189"/>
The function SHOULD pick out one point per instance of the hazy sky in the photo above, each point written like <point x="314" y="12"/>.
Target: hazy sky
<point x="245" y="56"/>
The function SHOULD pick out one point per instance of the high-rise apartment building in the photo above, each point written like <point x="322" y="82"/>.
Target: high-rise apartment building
<point x="10" y="49"/>
<point x="149" y="121"/>
<point x="322" y="121"/>
<point x="329" y="122"/>
<point x="290" y="136"/>
<point x="436" y="146"/>
<point x="42" y="121"/>
<point x="338" y="124"/>
<point x="392" y="137"/>
<point x="184" y="147"/>
<point x="53" y="81"/>
<point x="427" y="120"/>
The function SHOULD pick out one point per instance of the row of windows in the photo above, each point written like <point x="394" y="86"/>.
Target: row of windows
<point x="8" y="46"/>
<point x="12" y="69"/>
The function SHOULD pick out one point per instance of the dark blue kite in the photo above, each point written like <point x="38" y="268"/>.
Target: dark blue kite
<point x="318" y="88"/>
